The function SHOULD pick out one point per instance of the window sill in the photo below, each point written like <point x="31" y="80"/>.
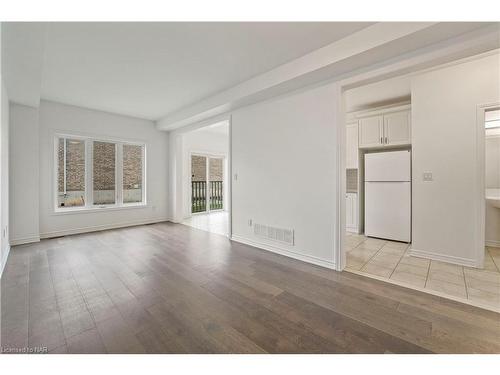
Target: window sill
<point x="70" y="211"/>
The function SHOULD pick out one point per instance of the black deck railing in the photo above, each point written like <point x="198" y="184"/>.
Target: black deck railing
<point x="199" y="196"/>
<point x="216" y="196"/>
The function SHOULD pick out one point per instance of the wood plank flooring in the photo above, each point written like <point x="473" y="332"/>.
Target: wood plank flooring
<point x="167" y="288"/>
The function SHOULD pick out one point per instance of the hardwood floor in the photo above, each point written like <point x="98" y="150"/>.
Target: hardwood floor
<point x="167" y="288"/>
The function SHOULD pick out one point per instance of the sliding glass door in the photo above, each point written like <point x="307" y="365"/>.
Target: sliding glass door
<point x="207" y="193"/>
<point x="215" y="173"/>
<point x="198" y="183"/>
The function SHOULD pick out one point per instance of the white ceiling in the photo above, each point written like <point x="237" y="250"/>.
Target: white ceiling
<point x="151" y="69"/>
<point x="181" y="72"/>
<point x="218" y="128"/>
<point x="412" y="45"/>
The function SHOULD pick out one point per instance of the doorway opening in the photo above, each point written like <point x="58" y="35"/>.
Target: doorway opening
<point x="205" y="178"/>
<point x="490" y="119"/>
<point x="384" y="259"/>
<point x="379" y="185"/>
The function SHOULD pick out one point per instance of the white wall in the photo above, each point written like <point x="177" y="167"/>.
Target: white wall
<point x="4" y="178"/>
<point x="24" y="174"/>
<point x="206" y="142"/>
<point x="55" y="117"/>
<point x="175" y="160"/>
<point x="444" y="104"/>
<point x="284" y="154"/>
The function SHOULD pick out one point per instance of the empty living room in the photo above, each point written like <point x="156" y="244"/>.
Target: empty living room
<point x="177" y="184"/>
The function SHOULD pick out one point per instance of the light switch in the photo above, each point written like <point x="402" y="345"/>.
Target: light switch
<point x="236" y="177"/>
<point x="428" y="176"/>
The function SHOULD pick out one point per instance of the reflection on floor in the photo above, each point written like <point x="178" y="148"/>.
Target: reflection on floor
<point x="213" y="222"/>
<point x="390" y="260"/>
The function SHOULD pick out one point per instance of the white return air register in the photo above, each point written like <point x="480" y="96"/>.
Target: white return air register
<point x="274" y="234"/>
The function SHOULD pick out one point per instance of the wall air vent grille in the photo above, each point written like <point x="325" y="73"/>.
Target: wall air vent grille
<point x="275" y="234"/>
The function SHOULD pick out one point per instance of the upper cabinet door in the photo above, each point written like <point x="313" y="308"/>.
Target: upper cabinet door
<point x="371" y="131"/>
<point x="352" y="145"/>
<point x="397" y="128"/>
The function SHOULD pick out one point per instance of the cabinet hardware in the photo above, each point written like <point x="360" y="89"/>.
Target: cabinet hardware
<point x="385" y="140"/>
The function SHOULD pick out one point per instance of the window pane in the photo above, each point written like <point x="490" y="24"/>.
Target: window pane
<point x="215" y="166"/>
<point x="198" y="183"/>
<point x="103" y="167"/>
<point x="132" y="174"/>
<point x="71" y="180"/>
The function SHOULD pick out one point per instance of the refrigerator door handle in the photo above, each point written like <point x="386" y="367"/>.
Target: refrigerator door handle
<point x="388" y="181"/>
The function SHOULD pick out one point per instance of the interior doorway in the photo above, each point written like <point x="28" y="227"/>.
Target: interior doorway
<point x="205" y="176"/>
<point x="490" y="116"/>
<point x="393" y="262"/>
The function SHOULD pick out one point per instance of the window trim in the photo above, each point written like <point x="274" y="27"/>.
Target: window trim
<point x="89" y="183"/>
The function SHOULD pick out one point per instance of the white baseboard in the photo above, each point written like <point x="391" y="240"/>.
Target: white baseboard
<point x="24" y="240"/>
<point x="443" y="258"/>
<point x="97" y="228"/>
<point x="492" y="243"/>
<point x="286" y="252"/>
<point x="4" y="261"/>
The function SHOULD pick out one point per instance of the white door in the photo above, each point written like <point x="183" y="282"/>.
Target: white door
<point x="371" y="131"/>
<point x="397" y="128"/>
<point x="352" y="146"/>
<point x="388" y="210"/>
<point x="388" y="166"/>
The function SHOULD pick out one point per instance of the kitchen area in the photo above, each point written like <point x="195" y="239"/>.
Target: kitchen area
<point x="378" y="173"/>
<point x="403" y="224"/>
<point x="379" y="203"/>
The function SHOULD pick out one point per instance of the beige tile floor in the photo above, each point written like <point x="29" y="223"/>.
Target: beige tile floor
<point x="214" y="222"/>
<point x="388" y="259"/>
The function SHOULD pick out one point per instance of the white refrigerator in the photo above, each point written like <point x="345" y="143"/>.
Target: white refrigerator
<point x="388" y="195"/>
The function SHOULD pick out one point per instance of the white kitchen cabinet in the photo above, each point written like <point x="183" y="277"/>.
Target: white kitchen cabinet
<point x="385" y="129"/>
<point x="352" y="212"/>
<point x="371" y="131"/>
<point x="352" y="146"/>
<point x="397" y="128"/>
